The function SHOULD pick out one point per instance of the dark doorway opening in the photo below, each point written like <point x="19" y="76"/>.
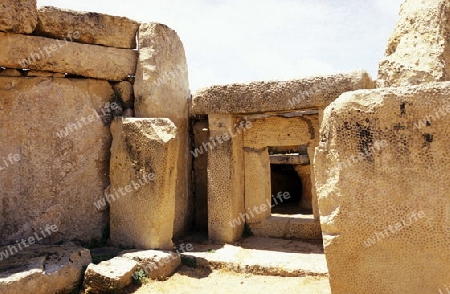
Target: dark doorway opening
<point x="284" y="178"/>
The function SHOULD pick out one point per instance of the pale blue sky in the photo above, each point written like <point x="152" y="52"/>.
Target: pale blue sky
<point x="229" y="41"/>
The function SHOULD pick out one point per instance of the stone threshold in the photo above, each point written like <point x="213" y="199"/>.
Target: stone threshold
<point x="263" y="256"/>
<point x="295" y="226"/>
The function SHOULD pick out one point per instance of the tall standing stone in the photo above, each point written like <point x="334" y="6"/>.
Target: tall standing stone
<point x="162" y="91"/>
<point x="418" y="50"/>
<point x="143" y="182"/>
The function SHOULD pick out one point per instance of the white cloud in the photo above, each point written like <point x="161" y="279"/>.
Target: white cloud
<point x="238" y="41"/>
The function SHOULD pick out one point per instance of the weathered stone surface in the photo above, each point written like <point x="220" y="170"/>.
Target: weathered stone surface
<point x="157" y="265"/>
<point x="109" y="276"/>
<point x="418" y="49"/>
<point x="144" y="216"/>
<point x="257" y="97"/>
<point x="382" y="178"/>
<point x="43" y="269"/>
<point x="161" y="86"/>
<point x="9" y="72"/>
<point x="19" y="51"/>
<point x="93" y="28"/>
<point x="18" y="17"/>
<point x="62" y="161"/>
<point x="162" y="90"/>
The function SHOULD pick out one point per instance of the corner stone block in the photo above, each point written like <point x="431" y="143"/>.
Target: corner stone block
<point x="143" y="182"/>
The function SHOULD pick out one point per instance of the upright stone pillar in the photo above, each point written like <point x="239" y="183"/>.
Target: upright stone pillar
<point x="162" y="91"/>
<point x="143" y="183"/>
<point x="226" y="205"/>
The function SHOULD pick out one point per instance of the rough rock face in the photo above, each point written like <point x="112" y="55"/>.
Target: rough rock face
<point x="418" y="50"/>
<point x="142" y="157"/>
<point x="257" y="97"/>
<point x="382" y="178"/>
<point x="43" y="269"/>
<point x="93" y="28"/>
<point x="18" y="17"/>
<point x="19" y="51"/>
<point x="109" y="276"/>
<point x="55" y="155"/>
<point x="162" y="91"/>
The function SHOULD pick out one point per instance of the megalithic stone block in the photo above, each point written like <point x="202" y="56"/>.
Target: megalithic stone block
<point x="143" y="182"/>
<point x="93" y="28"/>
<point x="382" y="179"/>
<point x="162" y="90"/>
<point x="63" y="56"/>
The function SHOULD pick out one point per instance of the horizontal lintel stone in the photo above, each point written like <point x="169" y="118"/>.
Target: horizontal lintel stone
<point x="257" y="97"/>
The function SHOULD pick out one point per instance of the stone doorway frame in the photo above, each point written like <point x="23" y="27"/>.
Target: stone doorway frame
<point x="239" y="169"/>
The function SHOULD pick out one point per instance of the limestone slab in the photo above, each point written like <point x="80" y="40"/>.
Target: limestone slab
<point x="257" y="97"/>
<point x="382" y="179"/>
<point x="158" y="265"/>
<point x="144" y="216"/>
<point x="18" y="17"/>
<point x="263" y="256"/>
<point x="92" y="61"/>
<point x="92" y="28"/>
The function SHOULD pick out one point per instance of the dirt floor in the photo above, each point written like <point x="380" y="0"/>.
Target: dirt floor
<point x="189" y="280"/>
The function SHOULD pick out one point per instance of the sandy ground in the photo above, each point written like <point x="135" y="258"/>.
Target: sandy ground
<point x="189" y="280"/>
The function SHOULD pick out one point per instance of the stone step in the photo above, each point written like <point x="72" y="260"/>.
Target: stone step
<point x="263" y="256"/>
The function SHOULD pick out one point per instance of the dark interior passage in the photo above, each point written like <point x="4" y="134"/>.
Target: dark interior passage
<point x="284" y="178"/>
